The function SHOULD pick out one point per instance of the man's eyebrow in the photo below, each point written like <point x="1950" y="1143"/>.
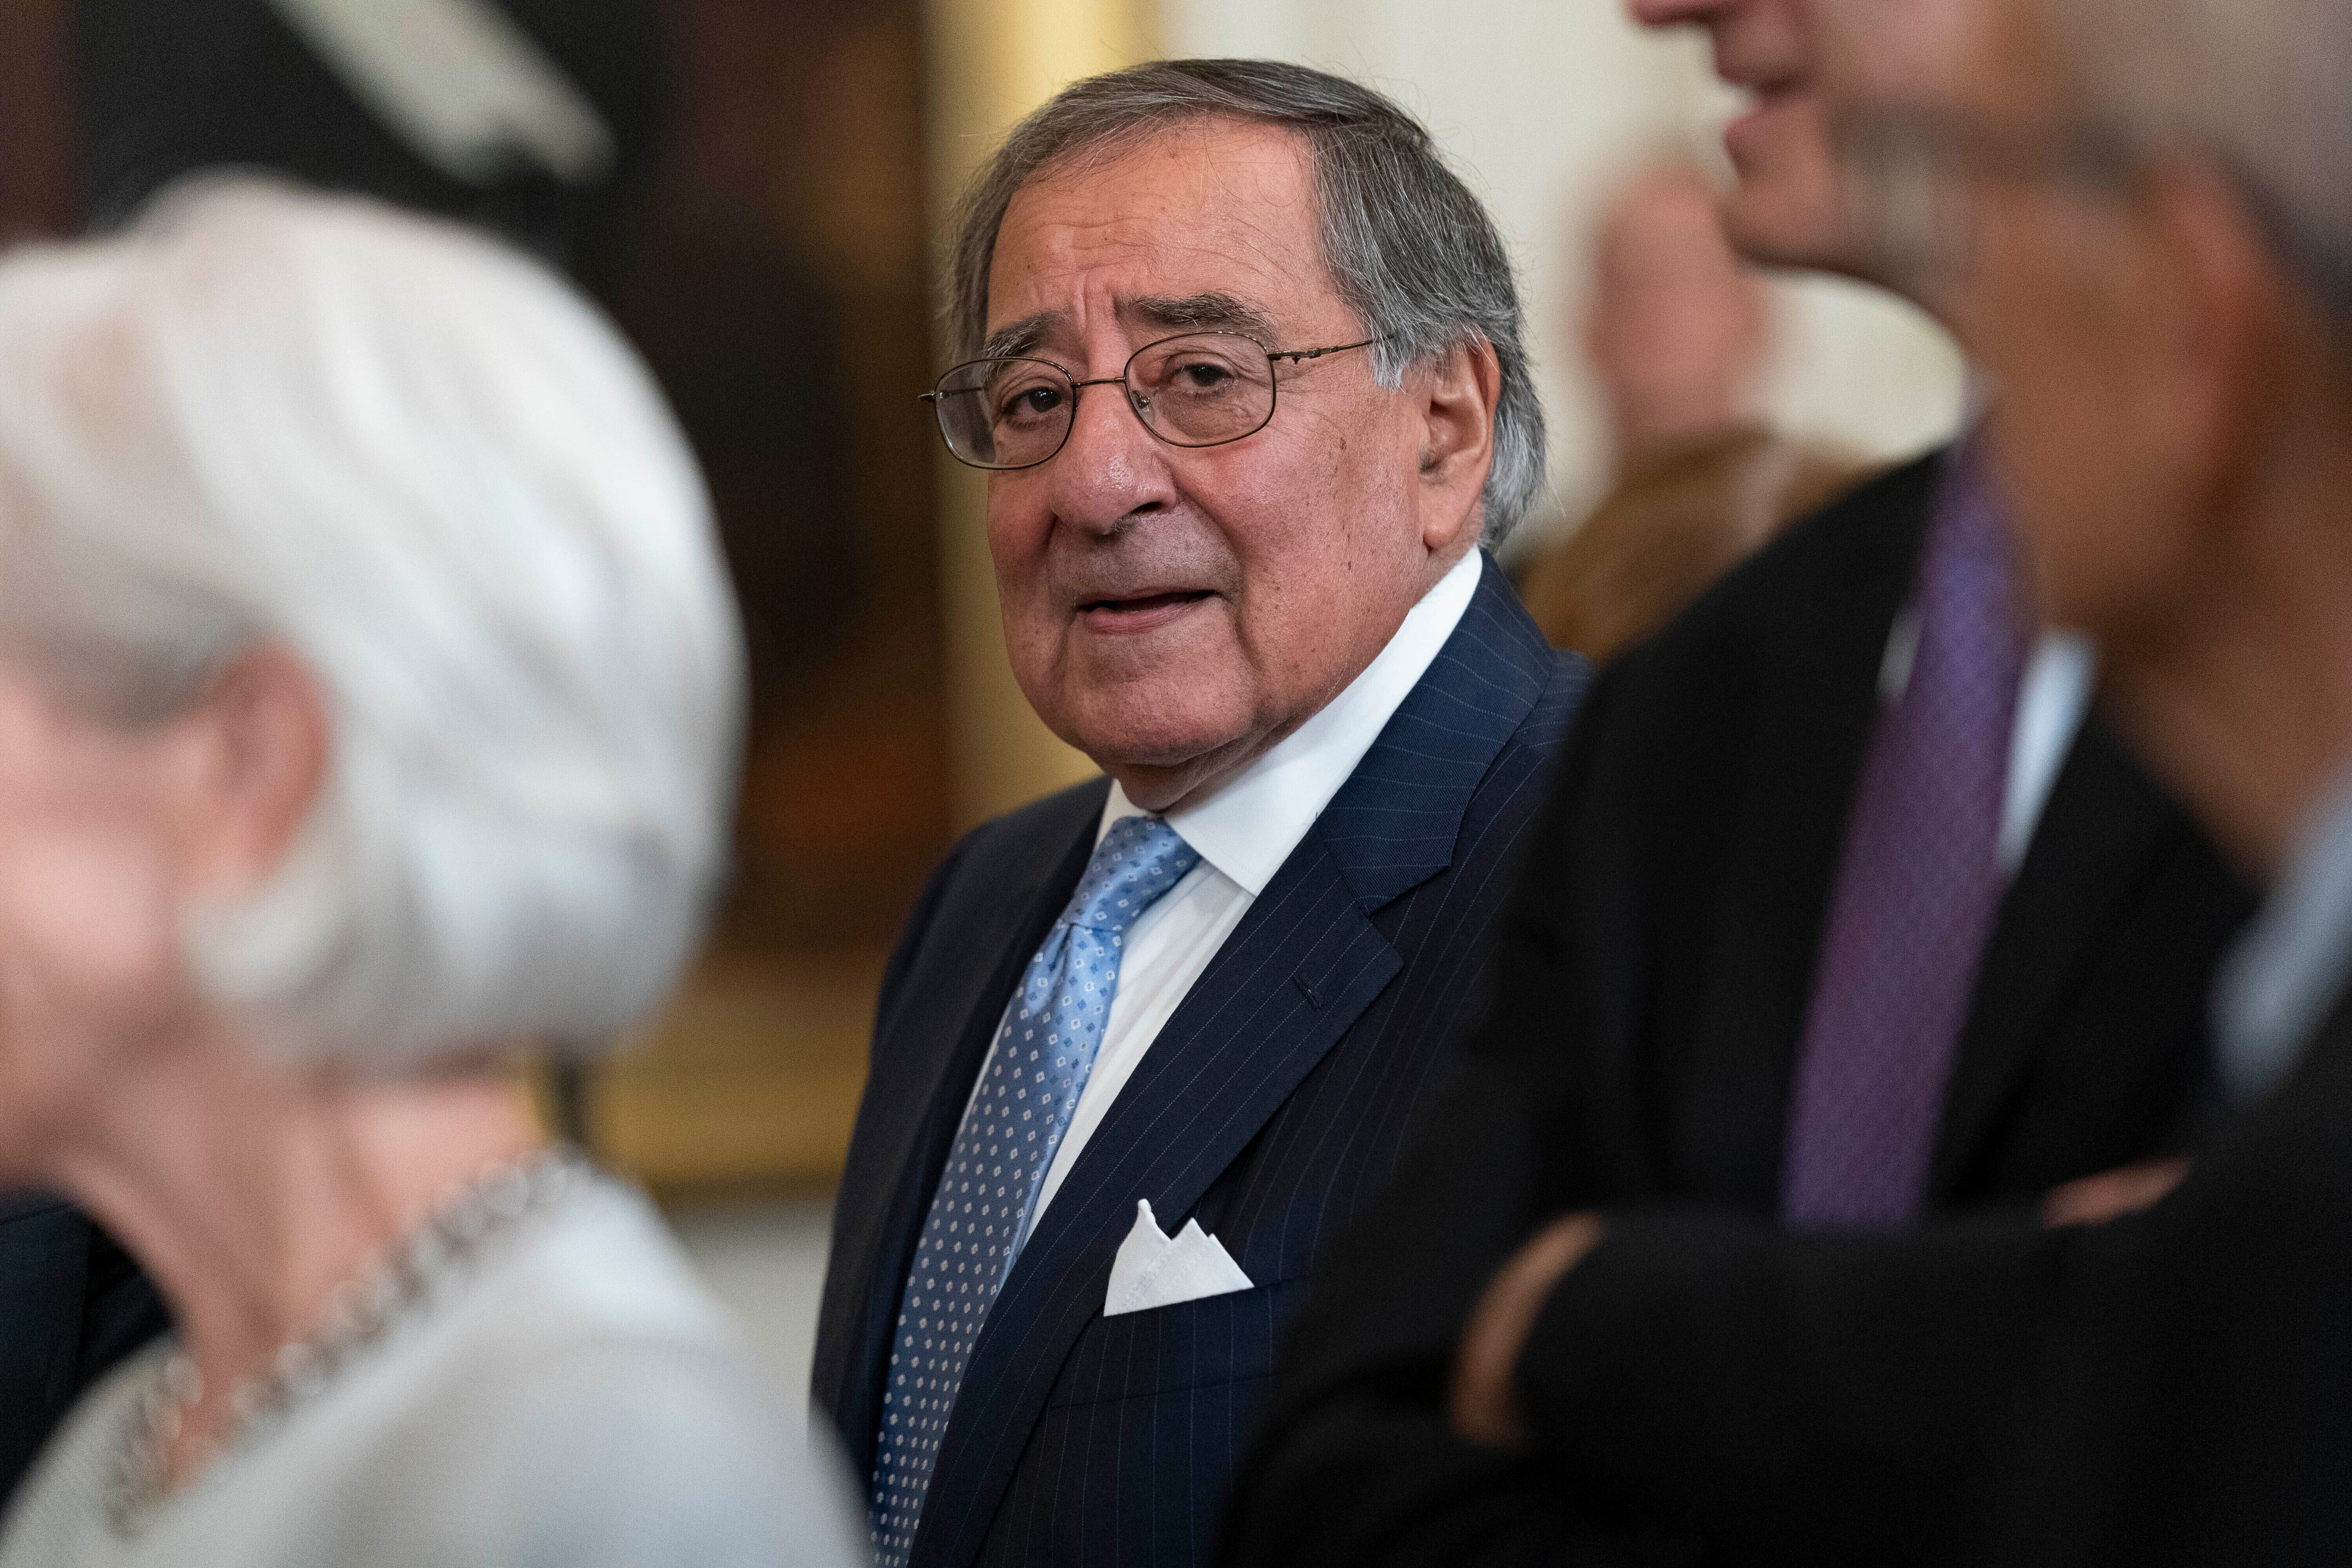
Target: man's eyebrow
<point x="1021" y="338"/>
<point x="1210" y="312"/>
<point x="1204" y="313"/>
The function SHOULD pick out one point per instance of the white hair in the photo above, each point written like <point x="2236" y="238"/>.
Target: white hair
<point x="2264" y="85"/>
<point x="422" y="465"/>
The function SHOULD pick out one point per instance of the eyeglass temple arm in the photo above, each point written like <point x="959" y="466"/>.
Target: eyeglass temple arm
<point x="1294" y="355"/>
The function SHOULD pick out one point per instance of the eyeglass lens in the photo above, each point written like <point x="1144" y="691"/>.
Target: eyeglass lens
<point x="1201" y="390"/>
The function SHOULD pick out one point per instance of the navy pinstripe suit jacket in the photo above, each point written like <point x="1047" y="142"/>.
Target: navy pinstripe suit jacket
<point x="1272" y="1106"/>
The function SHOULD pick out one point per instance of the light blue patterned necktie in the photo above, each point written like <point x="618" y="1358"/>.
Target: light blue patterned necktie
<point x="988" y="1191"/>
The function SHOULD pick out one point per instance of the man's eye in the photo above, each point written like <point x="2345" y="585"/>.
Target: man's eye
<point x="1202" y="375"/>
<point x="1030" y="403"/>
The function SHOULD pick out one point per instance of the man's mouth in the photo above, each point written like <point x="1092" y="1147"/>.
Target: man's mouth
<point x="1763" y="91"/>
<point x="1139" y="612"/>
<point x="1765" y="98"/>
<point x="1763" y="74"/>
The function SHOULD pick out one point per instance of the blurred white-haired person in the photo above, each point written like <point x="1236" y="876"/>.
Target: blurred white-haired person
<point x="369" y="703"/>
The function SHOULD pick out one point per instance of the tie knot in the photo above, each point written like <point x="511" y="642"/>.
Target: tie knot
<point x="1138" y="860"/>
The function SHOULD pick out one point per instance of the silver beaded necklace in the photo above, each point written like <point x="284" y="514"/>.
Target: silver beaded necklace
<point x="360" y="1312"/>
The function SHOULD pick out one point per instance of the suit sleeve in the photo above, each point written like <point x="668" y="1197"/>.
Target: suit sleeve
<point x="1817" y="1398"/>
<point x="2165" y="1389"/>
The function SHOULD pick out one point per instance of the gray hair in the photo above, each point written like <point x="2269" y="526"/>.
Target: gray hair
<point x="2263" y="87"/>
<point x="438" y="478"/>
<point x="1413" y="253"/>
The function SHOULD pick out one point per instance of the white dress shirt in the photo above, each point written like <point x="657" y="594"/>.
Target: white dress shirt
<point x="1244" y="829"/>
<point x="2289" y="967"/>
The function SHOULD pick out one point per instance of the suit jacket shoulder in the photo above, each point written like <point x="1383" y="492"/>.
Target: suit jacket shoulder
<point x="989" y="867"/>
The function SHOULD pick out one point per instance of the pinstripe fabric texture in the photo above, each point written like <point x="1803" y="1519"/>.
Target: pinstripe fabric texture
<point x="1272" y="1107"/>
<point x="999" y="1159"/>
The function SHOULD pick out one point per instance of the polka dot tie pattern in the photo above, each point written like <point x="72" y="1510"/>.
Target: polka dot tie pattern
<point x="1918" y="887"/>
<point x="988" y="1191"/>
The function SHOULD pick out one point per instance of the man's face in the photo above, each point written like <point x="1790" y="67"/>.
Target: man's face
<point x="1171" y="611"/>
<point x="1803" y="60"/>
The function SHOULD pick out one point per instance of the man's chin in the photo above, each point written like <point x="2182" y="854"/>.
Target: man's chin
<point x="1163" y="742"/>
<point x="1787" y="205"/>
<point x="1777" y="219"/>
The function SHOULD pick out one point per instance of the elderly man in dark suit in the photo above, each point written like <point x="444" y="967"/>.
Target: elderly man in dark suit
<point x="1850" y="913"/>
<point x="1248" y="378"/>
<point x="2151" y="249"/>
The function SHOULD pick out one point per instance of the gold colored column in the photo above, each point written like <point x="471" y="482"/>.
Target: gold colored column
<point x="990" y="62"/>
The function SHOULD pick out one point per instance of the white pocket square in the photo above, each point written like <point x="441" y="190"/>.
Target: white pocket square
<point x="1153" y="1272"/>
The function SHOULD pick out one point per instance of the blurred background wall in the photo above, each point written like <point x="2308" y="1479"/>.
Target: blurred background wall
<point x="768" y="236"/>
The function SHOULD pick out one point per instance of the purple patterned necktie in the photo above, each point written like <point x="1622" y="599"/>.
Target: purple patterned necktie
<point x="1917" y="887"/>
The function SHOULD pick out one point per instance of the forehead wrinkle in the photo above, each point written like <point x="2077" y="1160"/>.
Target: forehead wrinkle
<point x="1238" y="219"/>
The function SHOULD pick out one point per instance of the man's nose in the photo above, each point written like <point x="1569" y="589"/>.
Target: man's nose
<point x="1111" y="466"/>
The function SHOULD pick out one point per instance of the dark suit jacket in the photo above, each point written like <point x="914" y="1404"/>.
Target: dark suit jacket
<point x="2168" y="1389"/>
<point x="71" y="1305"/>
<point x="1652" y="988"/>
<point x="1272" y="1107"/>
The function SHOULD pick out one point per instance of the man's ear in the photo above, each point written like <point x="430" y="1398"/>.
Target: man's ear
<point x="2230" y="325"/>
<point x="1462" y="388"/>
<point x="254" y="754"/>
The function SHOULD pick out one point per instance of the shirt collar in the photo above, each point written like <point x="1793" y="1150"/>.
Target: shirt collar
<point x="1247" y="826"/>
<point x="2274" y="990"/>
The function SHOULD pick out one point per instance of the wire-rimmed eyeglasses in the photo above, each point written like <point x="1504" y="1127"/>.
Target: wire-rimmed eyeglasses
<point x="1195" y="389"/>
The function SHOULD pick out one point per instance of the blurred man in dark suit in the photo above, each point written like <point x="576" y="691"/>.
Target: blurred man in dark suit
<point x="1848" y="912"/>
<point x="1247" y="376"/>
<point x="2150" y="248"/>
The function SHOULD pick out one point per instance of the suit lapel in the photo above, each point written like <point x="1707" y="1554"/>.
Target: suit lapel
<point x="1394" y="825"/>
<point x="2104" y="823"/>
<point x="1300" y="970"/>
<point x="933" y="1070"/>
